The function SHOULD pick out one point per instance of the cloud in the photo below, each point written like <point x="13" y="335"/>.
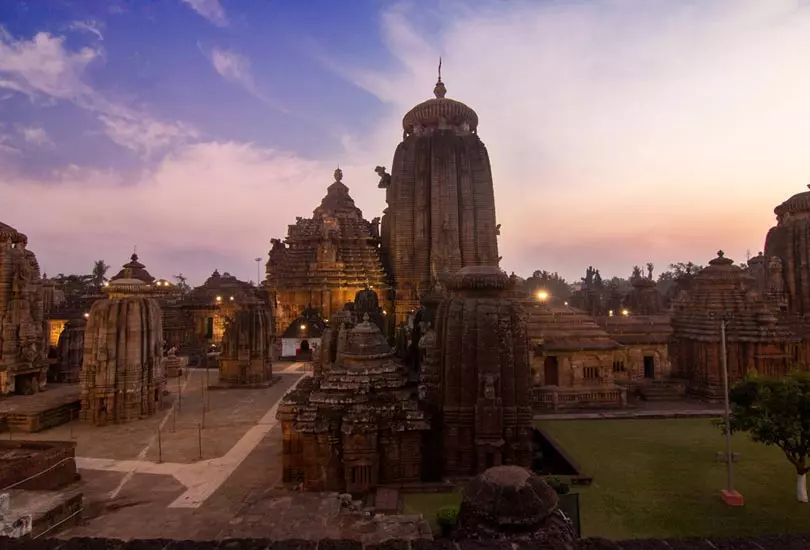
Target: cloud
<point x="236" y="68"/>
<point x="36" y="136"/>
<point x="635" y="125"/>
<point x="211" y="10"/>
<point x="43" y="69"/>
<point x="619" y="132"/>
<point x="225" y="198"/>
<point x="90" y="26"/>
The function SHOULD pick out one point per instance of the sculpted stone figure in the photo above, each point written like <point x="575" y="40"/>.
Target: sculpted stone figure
<point x="385" y="177"/>
<point x="375" y="227"/>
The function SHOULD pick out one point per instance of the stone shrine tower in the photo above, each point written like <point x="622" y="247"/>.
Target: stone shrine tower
<point x="786" y="263"/>
<point x="482" y="367"/>
<point x="121" y="376"/>
<point x="441" y="204"/>
<point x="23" y="334"/>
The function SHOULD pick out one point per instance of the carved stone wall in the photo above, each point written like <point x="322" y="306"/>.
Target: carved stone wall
<point x="23" y="329"/>
<point x="247" y="347"/>
<point x="485" y="374"/>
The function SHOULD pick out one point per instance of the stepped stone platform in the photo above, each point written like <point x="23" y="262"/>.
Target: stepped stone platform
<point x="57" y="405"/>
<point x="770" y="542"/>
<point x="51" y="511"/>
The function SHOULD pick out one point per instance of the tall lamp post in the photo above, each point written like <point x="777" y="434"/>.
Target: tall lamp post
<point x="258" y="271"/>
<point x="730" y="496"/>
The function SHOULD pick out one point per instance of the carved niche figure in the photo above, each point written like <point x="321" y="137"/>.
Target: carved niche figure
<point x="385" y="177"/>
<point x="776" y="279"/>
<point x="375" y="227"/>
<point x="489" y="387"/>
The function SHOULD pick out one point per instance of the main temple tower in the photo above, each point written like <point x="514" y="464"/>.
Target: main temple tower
<point x="441" y="203"/>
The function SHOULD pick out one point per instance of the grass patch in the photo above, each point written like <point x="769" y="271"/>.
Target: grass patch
<point x="428" y="504"/>
<point x="659" y="478"/>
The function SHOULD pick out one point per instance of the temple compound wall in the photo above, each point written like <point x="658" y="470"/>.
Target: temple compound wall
<point x="23" y="328"/>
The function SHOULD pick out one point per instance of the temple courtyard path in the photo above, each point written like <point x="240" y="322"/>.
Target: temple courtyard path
<point x="147" y="479"/>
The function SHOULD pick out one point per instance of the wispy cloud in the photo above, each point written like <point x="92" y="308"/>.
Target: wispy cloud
<point x="211" y="10"/>
<point x="43" y="69"/>
<point x="236" y="68"/>
<point x="35" y="136"/>
<point x="90" y="26"/>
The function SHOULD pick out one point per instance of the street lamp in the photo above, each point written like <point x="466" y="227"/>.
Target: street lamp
<point x="542" y="295"/>
<point x="258" y="271"/>
<point x="730" y="496"/>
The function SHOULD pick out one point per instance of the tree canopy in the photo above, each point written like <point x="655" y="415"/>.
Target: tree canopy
<point x="776" y="411"/>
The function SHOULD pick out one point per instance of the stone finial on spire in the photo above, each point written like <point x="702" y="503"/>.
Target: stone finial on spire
<point x="720" y="253"/>
<point x="338" y="174"/>
<point x="440" y="90"/>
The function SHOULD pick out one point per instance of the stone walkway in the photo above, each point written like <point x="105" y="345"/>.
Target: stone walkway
<point x="631" y="414"/>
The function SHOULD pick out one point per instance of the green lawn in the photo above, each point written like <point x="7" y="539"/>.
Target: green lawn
<point x="659" y="478"/>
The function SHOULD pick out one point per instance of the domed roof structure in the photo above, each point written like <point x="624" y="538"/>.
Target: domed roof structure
<point x="134" y="270"/>
<point x="9" y="233"/>
<point x="512" y="502"/>
<point x="440" y="109"/>
<point x="723" y="288"/>
<point x="337" y="201"/>
<point x="223" y="289"/>
<point x="798" y="203"/>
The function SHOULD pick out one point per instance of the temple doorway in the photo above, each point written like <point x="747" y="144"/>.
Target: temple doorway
<point x="649" y="366"/>
<point x="305" y="346"/>
<point x="551" y="371"/>
<point x="26" y="384"/>
<point x="209" y="328"/>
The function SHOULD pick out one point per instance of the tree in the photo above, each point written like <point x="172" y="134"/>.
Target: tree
<point x="553" y="283"/>
<point x="75" y="286"/>
<point x="182" y="282"/>
<point x="99" y="274"/>
<point x="776" y="411"/>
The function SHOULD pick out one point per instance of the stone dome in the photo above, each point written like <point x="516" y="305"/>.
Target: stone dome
<point x="509" y="496"/>
<point x="134" y="270"/>
<point x="431" y="112"/>
<point x="366" y="300"/>
<point x="798" y="203"/>
<point x="9" y="233"/>
<point x="366" y="340"/>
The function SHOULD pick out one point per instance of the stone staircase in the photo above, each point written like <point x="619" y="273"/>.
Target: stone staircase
<point x="661" y="390"/>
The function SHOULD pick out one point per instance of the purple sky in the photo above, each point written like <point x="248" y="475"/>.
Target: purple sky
<point x="620" y="131"/>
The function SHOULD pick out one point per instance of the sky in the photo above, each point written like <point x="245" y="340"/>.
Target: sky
<point x="620" y="131"/>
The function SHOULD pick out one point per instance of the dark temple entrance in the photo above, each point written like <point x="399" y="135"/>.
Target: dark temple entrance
<point x="551" y="371"/>
<point x="649" y="366"/>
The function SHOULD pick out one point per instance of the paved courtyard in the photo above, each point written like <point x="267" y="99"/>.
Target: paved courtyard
<point x="208" y="465"/>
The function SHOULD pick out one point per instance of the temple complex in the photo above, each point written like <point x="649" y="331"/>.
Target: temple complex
<point x="207" y="307"/>
<point x="757" y="337"/>
<point x="23" y="329"/>
<point x="121" y="377"/>
<point x="355" y="424"/>
<point x="325" y="259"/>
<point x="573" y="358"/>
<point x="245" y="359"/>
<point x="440" y="213"/>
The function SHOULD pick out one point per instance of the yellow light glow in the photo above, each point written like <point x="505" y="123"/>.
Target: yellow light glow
<point x="219" y="298"/>
<point x="87" y="315"/>
<point x="542" y="295"/>
<point x="385" y="312"/>
<point x="303" y="327"/>
<point x="106" y="283"/>
<point x="625" y="312"/>
<point x="610" y="313"/>
<point x="231" y="298"/>
<point x="566" y="303"/>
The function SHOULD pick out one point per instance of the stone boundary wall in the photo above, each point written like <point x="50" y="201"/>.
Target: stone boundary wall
<point x="771" y="542"/>
<point x="59" y="456"/>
